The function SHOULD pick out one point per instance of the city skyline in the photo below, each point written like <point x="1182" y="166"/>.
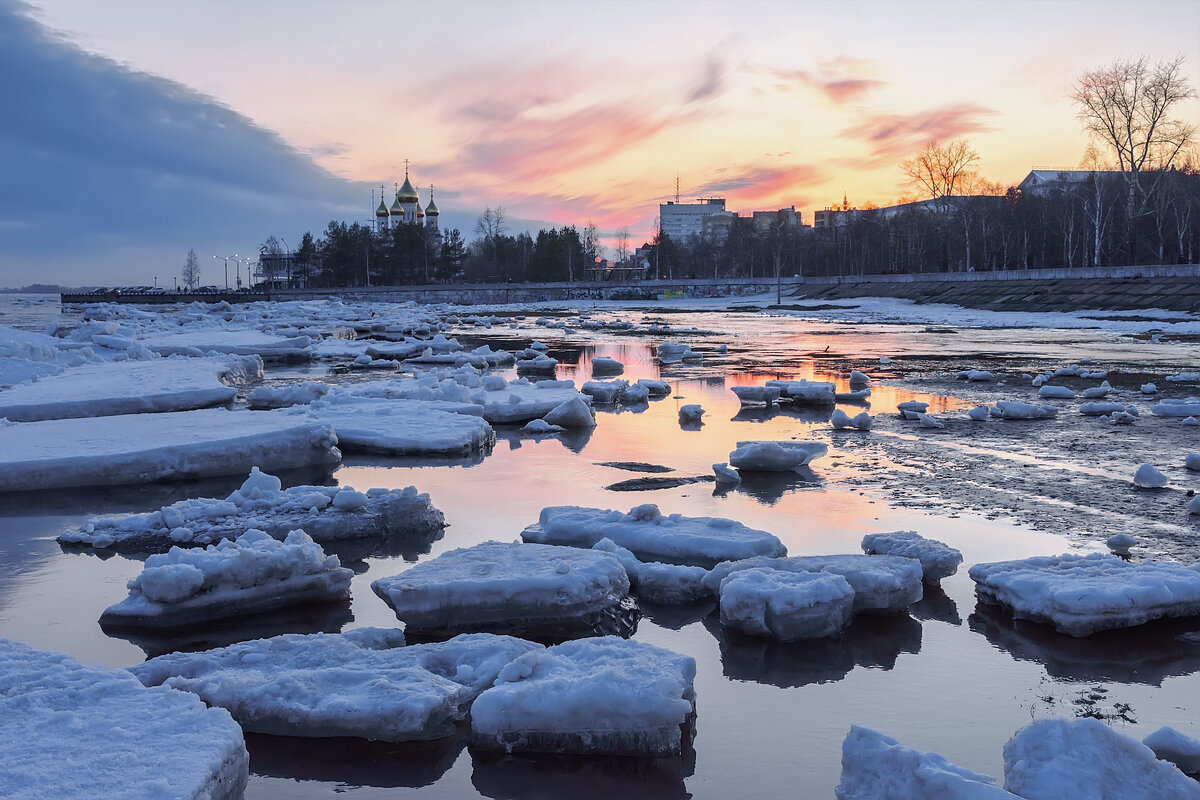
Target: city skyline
<point x="263" y="119"/>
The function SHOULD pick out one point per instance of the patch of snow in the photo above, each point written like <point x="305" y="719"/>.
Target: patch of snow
<point x="938" y="559"/>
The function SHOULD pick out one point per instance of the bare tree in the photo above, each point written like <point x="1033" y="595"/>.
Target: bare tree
<point x="1126" y="106"/>
<point x="191" y="270"/>
<point x="491" y="223"/>
<point x="940" y="171"/>
<point x="622" y="237"/>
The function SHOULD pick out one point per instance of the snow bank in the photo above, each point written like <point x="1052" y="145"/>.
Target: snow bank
<point x="137" y="449"/>
<point x="1082" y="594"/>
<point x="938" y="559"/>
<point x="875" y="767"/>
<point x="780" y="456"/>
<point x="606" y="696"/>
<point x="75" y="732"/>
<point x="513" y="588"/>
<point x="261" y="503"/>
<point x="698" y="541"/>
<point x="1056" y="758"/>
<point x="405" y="427"/>
<point x="363" y="683"/>
<point x="787" y="606"/>
<point x="880" y="583"/>
<point x="129" y="387"/>
<point x="250" y="575"/>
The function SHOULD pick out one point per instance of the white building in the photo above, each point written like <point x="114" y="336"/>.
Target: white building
<point x="406" y="208"/>
<point x="1042" y="181"/>
<point x="683" y="221"/>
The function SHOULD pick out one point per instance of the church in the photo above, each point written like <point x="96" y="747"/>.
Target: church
<point x="406" y="209"/>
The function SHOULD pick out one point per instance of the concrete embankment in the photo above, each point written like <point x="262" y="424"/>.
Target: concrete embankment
<point x="1125" y="289"/>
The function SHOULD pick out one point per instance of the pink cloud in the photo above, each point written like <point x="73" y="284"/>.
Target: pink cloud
<point x="897" y="135"/>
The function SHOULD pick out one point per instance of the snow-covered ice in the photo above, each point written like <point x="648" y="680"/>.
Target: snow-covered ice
<point x="605" y="696"/>
<point x="877" y="767"/>
<point x="725" y="474"/>
<point x="690" y="413"/>
<point x="775" y="456"/>
<point x="977" y="375"/>
<point x="141" y="448"/>
<point x="859" y="378"/>
<point x="1149" y="388"/>
<point x="1082" y="594"/>
<point x="404" y="427"/>
<point x="242" y="342"/>
<point x="1177" y="408"/>
<point x="676" y="351"/>
<point x="880" y="583"/>
<point x="573" y="413"/>
<point x="805" y="392"/>
<point x="1192" y="461"/>
<point x="1014" y="409"/>
<point x="1052" y="759"/>
<point x="1055" y="392"/>
<point x="604" y="391"/>
<point x="540" y="426"/>
<point x="363" y="683"/>
<point x="1147" y="477"/>
<point x="938" y="559"/>
<point x="75" y="732"/>
<point x="1170" y="745"/>
<point x="979" y="413"/>
<point x="129" y="387"/>
<point x="603" y="365"/>
<point x="296" y="394"/>
<point x="1121" y="543"/>
<point x="915" y="406"/>
<point x="787" y="606"/>
<point x="655" y="388"/>
<point x="651" y="536"/>
<point x="669" y="584"/>
<point x="750" y="395"/>
<point x="252" y="574"/>
<point x="262" y="503"/>
<point x="512" y="588"/>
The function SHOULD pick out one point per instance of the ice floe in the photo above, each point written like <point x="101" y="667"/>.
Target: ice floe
<point x="296" y="394"/>
<point x="603" y="365"/>
<point x="253" y="574"/>
<point x="1177" y="408"/>
<point x="363" y="683"/>
<point x="75" y="732"/>
<point x="651" y="536"/>
<point x="573" y="413"/>
<point x="775" y="456"/>
<point x="938" y="559"/>
<point x="725" y="474"/>
<point x="787" y="606"/>
<point x="753" y="395"/>
<point x="1082" y="594"/>
<point x="242" y="342"/>
<point x="527" y="589"/>
<point x="605" y="391"/>
<point x="805" y="392"/>
<point x="1170" y="745"/>
<point x="140" y="448"/>
<point x="404" y="427"/>
<point x="605" y="696"/>
<point x="859" y="378"/>
<point x="690" y="414"/>
<point x="669" y="584"/>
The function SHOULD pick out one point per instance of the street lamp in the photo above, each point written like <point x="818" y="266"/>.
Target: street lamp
<point x="226" y="260"/>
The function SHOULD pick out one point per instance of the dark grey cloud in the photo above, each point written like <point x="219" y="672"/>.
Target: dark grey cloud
<point x="101" y="161"/>
<point x="711" y="81"/>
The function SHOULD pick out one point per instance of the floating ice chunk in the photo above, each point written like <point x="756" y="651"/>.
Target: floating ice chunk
<point x="604" y="696"/>
<point x="1013" y="409"/>
<point x="74" y="732"/>
<point x="261" y="504"/>
<point x="875" y="766"/>
<point x="1056" y="758"/>
<point x="880" y="583"/>
<point x="978" y="413"/>
<point x="1177" y="408"/>
<point x="938" y="559"/>
<point x="1149" y="388"/>
<point x="541" y="426"/>
<point x="1192" y="461"/>
<point x="699" y="541"/>
<point x="1188" y="377"/>
<point x="787" y="606"/>
<point x="725" y="474"/>
<point x="251" y="575"/>
<point x="542" y="363"/>
<point x="655" y="388"/>
<point x="804" y="392"/>
<point x="604" y="391"/>
<point x="1121" y="543"/>
<point x="1039" y="380"/>
<point x="915" y="406"/>
<point x="243" y="342"/>
<point x="1170" y="745"/>
<point x="670" y="584"/>
<point x="690" y="413"/>
<point x="977" y="375"/>
<point x="518" y="588"/>
<point x="284" y="396"/>
<point x="859" y="378"/>
<point x="140" y="448"/>
<point x="862" y="421"/>
<point x="779" y="456"/>
<point x="855" y="396"/>
<point x="1097" y="391"/>
<point x="364" y="683"/>
<point x="603" y="365"/>
<point x="840" y="419"/>
<point x="1055" y="392"/>
<point x="634" y="394"/>
<point x="749" y="395"/>
<point x="1147" y="477"/>
<point x="1080" y="595"/>
<point x="1094" y="409"/>
<point x="676" y="351"/>
<point x="539" y="346"/>
<point x="929" y="421"/>
<point x="573" y="413"/>
<point x="405" y="427"/>
<point x="129" y="387"/>
<point x="1189" y="421"/>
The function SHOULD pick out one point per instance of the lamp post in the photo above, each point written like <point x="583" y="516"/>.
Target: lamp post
<point x="237" y="268"/>
<point x="226" y="260"/>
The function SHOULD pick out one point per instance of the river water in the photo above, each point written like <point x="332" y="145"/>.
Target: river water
<point x="950" y="676"/>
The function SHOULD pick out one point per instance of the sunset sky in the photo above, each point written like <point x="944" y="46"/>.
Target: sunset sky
<point x="163" y="126"/>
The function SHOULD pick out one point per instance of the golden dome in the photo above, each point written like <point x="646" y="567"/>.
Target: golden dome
<point x="406" y="193"/>
<point x="431" y="210"/>
<point x="382" y="211"/>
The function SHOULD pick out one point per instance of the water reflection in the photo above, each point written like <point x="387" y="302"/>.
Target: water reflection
<point x="873" y="641"/>
<point x="936" y="606"/>
<point x="574" y="439"/>
<point x="354" y="762"/>
<point x="531" y="777"/>
<point x="1145" y="654"/>
<point x="674" y="616"/>
<point x="769" y="487"/>
<point x="316" y="618"/>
